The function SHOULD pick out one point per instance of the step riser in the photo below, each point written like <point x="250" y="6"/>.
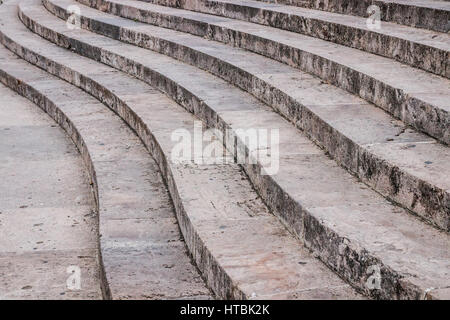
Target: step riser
<point x="419" y="114"/>
<point x="425" y="200"/>
<point x="66" y="124"/>
<point x="346" y="258"/>
<point x="415" y="54"/>
<point x="401" y="13"/>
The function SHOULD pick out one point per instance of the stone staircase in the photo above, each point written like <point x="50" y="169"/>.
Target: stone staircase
<point x="359" y="204"/>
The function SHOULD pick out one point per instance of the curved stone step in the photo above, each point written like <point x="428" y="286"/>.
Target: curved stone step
<point x="242" y="249"/>
<point x="396" y="161"/>
<point x="141" y="249"/>
<point x="433" y="15"/>
<point x="416" y="97"/>
<point x="47" y="214"/>
<point x="352" y="229"/>
<point x="419" y="48"/>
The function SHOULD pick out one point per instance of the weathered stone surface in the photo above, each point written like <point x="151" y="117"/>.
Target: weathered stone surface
<point x="47" y="218"/>
<point x="433" y="15"/>
<point x="416" y="97"/>
<point x="43" y="274"/>
<point x="420" y="48"/>
<point x="348" y="226"/>
<point x="215" y="218"/>
<point x="361" y="137"/>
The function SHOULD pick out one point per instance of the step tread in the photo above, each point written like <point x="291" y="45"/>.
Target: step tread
<point x="128" y="185"/>
<point x="46" y="213"/>
<point x="368" y="127"/>
<point x="230" y="203"/>
<point x="410" y="247"/>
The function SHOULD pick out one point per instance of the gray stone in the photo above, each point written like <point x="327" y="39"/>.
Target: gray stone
<point x="358" y="230"/>
<point x="420" y="48"/>
<point x="47" y="218"/>
<point x="417" y="98"/>
<point x="431" y="15"/>
<point x="329" y="230"/>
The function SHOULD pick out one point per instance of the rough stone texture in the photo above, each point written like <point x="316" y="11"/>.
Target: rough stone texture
<point x="142" y="252"/>
<point x="433" y="15"/>
<point x="395" y="160"/>
<point x="217" y="207"/>
<point x="416" y="97"/>
<point x="419" y="48"/>
<point x="47" y="217"/>
<point x="348" y="226"/>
